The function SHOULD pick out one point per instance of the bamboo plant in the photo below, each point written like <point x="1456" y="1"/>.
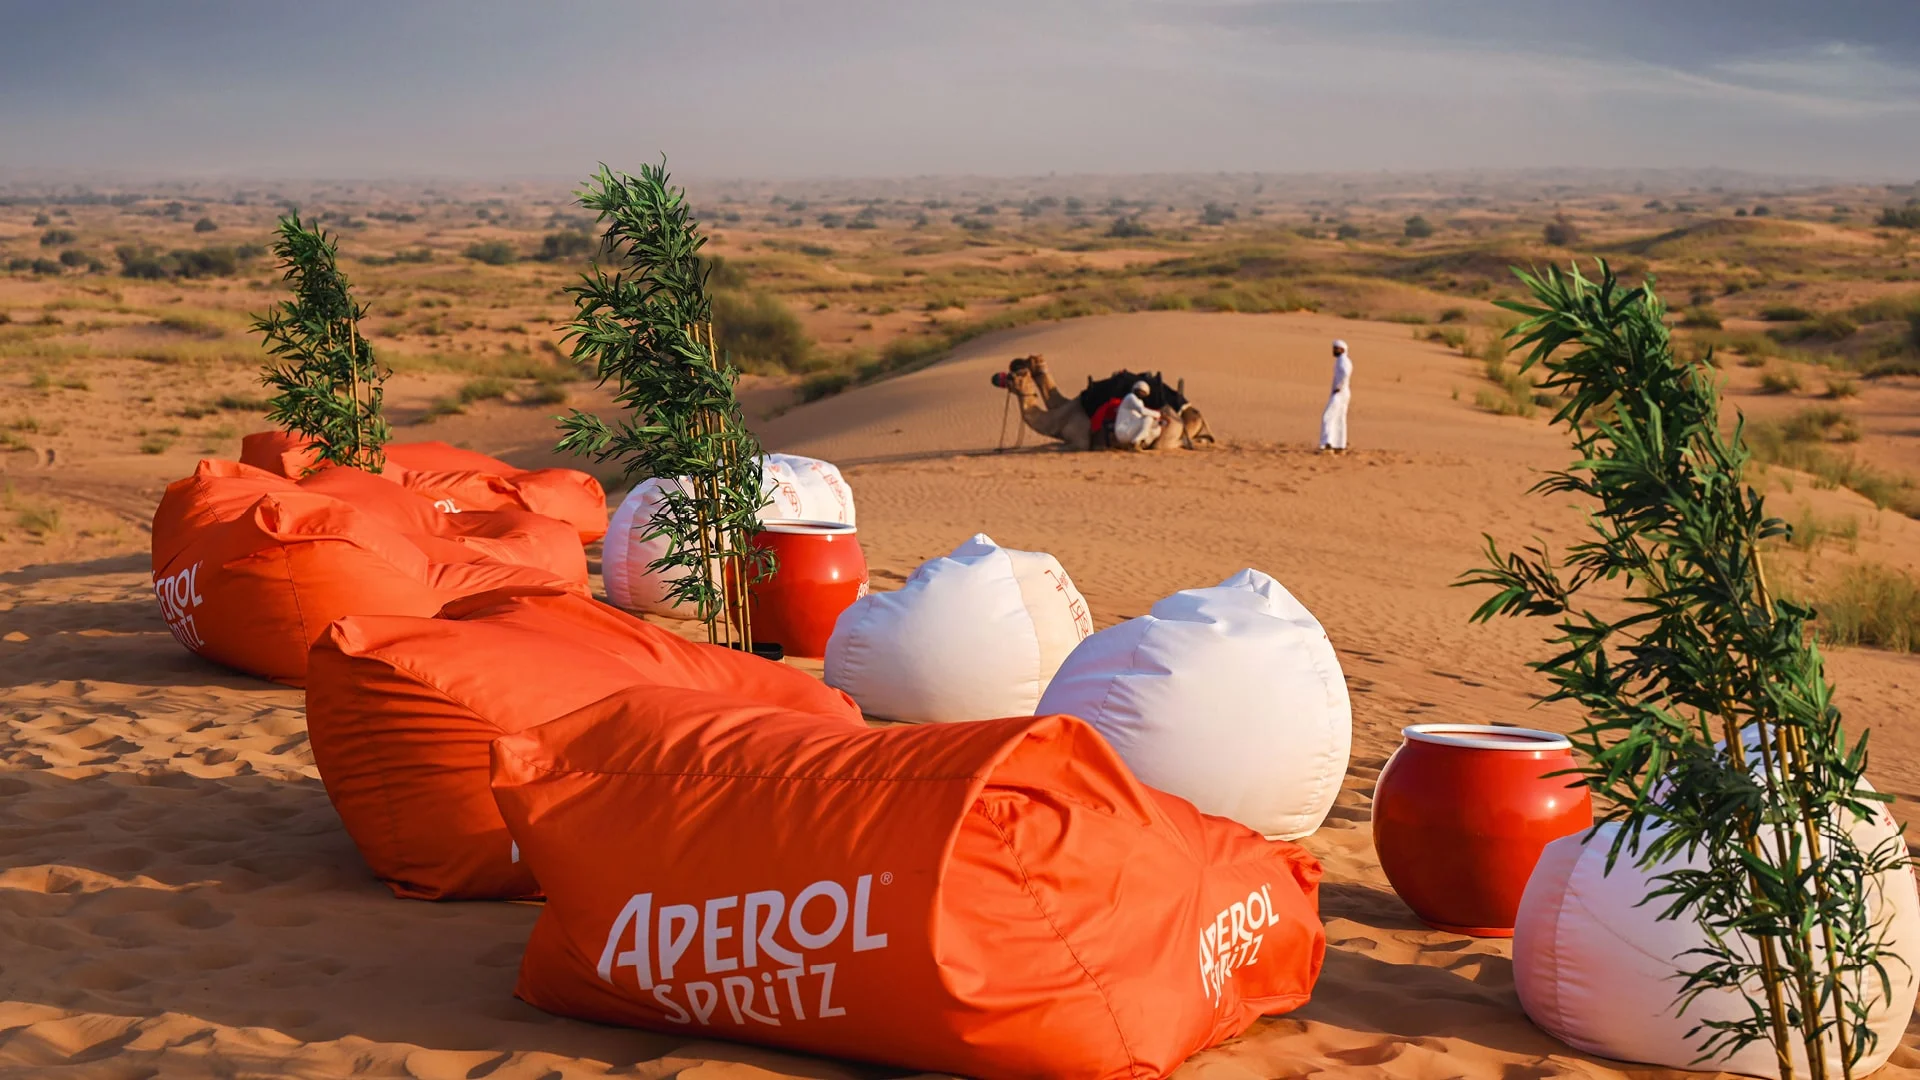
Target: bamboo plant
<point x="1711" y="735"/>
<point x="646" y="327"/>
<point x="327" y="384"/>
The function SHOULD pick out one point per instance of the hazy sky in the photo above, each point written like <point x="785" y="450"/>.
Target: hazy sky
<point x="849" y="87"/>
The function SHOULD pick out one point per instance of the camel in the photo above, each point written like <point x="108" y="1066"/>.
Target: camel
<point x="1045" y="409"/>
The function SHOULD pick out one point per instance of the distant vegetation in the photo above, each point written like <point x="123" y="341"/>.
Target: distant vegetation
<point x="207" y="262"/>
<point x="492" y="252"/>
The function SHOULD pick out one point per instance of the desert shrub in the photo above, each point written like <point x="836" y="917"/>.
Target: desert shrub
<point x="567" y="244"/>
<point x="544" y="393"/>
<point x="1170" y="302"/>
<point x="758" y="333"/>
<point x="1452" y="337"/>
<point x="1561" y="231"/>
<point x="1347" y="231"/>
<point x="39" y="521"/>
<point x="824" y="384"/>
<point x="41" y="220"/>
<point x="47" y="266"/>
<point x="818" y="251"/>
<point x="1802" y="442"/>
<point x="1453" y="314"/>
<point x="1779" y="379"/>
<point x="1872" y="605"/>
<point x="1128" y="228"/>
<point x="491" y="252"/>
<point x="1215" y="214"/>
<point x="191" y="324"/>
<point x="1841" y="386"/>
<point x="75" y="257"/>
<point x="56" y="238"/>
<point x="241" y="403"/>
<point x="144" y="262"/>
<point x="1886" y="309"/>
<point x="1808" y="530"/>
<point x="1902" y="217"/>
<point x="205" y="224"/>
<point x="1502" y="404"/>
<point x="1417" y="228"/>
<point x="1785" y="313"/>
<point x="486" y="388"/>
<point x="1700" y="316"/>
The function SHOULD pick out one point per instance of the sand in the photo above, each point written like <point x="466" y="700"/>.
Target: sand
<point x="181" y="900"/>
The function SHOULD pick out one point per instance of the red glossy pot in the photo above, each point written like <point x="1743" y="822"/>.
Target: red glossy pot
<point x="819" y="571"/>
<point x="1460" y="814"/>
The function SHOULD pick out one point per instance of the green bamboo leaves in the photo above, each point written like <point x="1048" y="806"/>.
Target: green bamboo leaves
<point x="1711" y="733"/>
<point x="647" y="328"/>
<point x="326" y="382"/>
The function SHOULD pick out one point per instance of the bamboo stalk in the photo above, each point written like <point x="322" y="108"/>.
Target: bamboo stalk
<point x="1793" y="750"/>
<point x="1769" y="963"/>
<point x="360" y="457"/>
<point x="740" y="585"/>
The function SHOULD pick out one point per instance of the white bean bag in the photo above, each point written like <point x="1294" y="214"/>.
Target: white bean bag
<point x="975" y="635"/>
<point x="798" y="489"/>
<point x="1229" y="697"/>
<point x="1597" y="970"/>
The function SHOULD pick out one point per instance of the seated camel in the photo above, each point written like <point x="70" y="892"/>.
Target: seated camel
<point x="1047" y="410"/>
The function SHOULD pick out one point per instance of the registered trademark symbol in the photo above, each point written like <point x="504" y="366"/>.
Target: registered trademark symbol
<point x="886" y="878"/>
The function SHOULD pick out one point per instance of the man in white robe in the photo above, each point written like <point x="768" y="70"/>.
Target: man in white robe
<point x="1333" y="422"/>
<point x="1135" y="426"/>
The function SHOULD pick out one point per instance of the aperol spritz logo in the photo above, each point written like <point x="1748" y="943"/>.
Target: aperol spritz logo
<point x="1232" y="940"/>
<point x="179" y="595"/>
<point x="745" y="958"/>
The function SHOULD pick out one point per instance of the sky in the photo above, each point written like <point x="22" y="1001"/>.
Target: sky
<point x="328" y="89"/>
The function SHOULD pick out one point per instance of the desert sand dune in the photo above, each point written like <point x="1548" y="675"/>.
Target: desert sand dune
<point x="181" y="900"/>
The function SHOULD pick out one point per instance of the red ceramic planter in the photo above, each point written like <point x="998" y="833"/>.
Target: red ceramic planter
<point x="819" y="572"/>
<point x="1460" y="814"/>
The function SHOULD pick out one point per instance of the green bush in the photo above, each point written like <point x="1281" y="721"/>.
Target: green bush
<point x="75" y="257"/>
<point x="56" y="238"/>
<point x="1418" y="228"/>
<point x="47" y="266"/>
<point x="1785" y="313"/>
<point x="205" y="224"/>
<point x="492" y="252"/>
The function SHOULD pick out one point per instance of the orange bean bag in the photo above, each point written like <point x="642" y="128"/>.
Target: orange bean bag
<point x="459" y="479"/>
<point x="249" y="568"/>
<point x="401" y="711"/>
<point x="993" y="899"/>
